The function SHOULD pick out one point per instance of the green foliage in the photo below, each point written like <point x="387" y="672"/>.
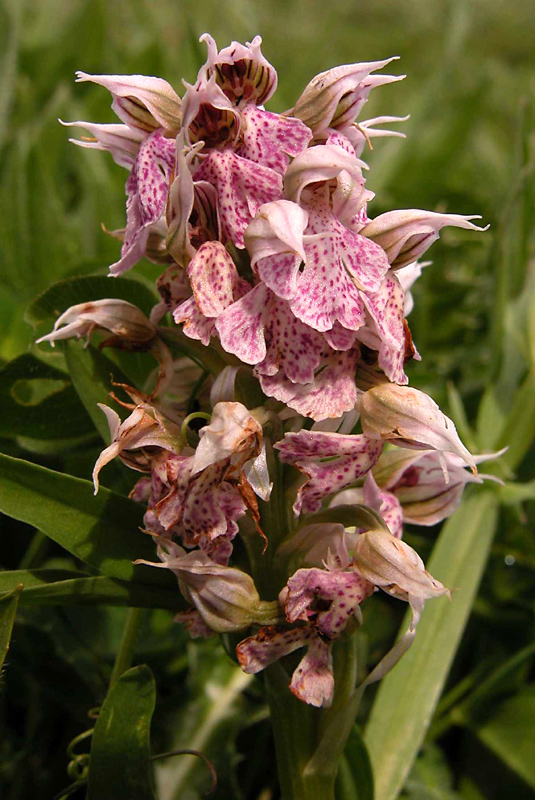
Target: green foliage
<point x="8" y="609"/>
<point x="119" y="764"/>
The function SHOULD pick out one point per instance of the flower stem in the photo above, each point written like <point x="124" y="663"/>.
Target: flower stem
<point x="310" y="742"/>
<point x="125" y="654"/>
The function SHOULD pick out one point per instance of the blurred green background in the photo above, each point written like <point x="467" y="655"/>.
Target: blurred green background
<point x="470" y="149"/>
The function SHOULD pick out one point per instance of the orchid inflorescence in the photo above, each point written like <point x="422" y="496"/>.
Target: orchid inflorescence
<point x="271" y="261"/>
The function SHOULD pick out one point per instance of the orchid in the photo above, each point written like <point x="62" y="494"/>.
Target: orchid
<point x="284" y="420"/>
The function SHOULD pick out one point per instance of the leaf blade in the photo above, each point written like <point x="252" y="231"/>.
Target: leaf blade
<point x="398" y="722"/>
<point x="102" y="531"/>
<point x="119" y="764"/>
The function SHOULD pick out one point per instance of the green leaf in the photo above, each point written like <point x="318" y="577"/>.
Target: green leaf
<point x="63" y="587"/>
<point x="91" y="373"/>
<point x="400" y="717"/>
<point x="71" y="291"/>
<point x="102" y="531"/>
<point x="8" y="609"/>
<point x="508" y="732"/>
<point x="38" y="401"/>
<point x="519" y="431"/>
<point x="355" y="774"/>
<point x="119" y="764"/>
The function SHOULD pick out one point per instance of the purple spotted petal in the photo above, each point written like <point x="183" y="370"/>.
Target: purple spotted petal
<point x="214" y="278"/>
<point x="349" y="458"/>
<point x="313" y="679"/>
<point x="196" y="325"/>
<point x="146" y="190"/>
<point x="385" y="503"/>
<point x="270" y="643"/>
<point x="343" y="591"/>
<point x="270" y="139"/>
<point x="241" y="326"/>
<point x="386" y="310"/>
<point x="242" y="187"/>
<point x="330" y="394"/>
<point x="338" y="263"/>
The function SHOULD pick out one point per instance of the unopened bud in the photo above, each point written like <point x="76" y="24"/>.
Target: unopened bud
<point x="389" y="563"/>
<point x="409" y="418"/>
<point x="126" y="322"/>
<point x="141" y="101"/>
<point x="405" y="234"/>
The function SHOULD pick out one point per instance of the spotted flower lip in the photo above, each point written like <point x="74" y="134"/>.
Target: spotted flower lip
<point x="124" y="320"/>
<point x="146" y="190"/>
<point x="331" y="462"/>
<point x="312" y="680"/>
<point x="141" y="101"/>
<point x="335" y="97"/>
<point x="406" y="234"/>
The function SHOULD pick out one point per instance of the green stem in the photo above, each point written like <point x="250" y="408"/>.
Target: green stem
<point x="125" y="654"/>
<point x="310" y="742"/>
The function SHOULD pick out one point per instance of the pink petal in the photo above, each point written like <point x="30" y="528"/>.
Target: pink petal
<point x="330" y="394"/>
<point x="270" y="139"/>
<point x="146" y="190"/>
<point x="242" y="187"/>
<point x="213" y="278"/>
<point x="386" y="309"/>
<point x="313" y="680"/>
<point x="349" y="458"/>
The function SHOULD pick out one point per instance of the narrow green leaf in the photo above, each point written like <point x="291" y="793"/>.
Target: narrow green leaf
<point x="102" y="531"/>
<point x="508" y="732"/>
<point x="400" y="718"/>
<point x="38" y="401"/>
<point x="119" y="765"/>
<point x="63" y="587"/>
<point x="490" y="420"/>
<point x="71" y="291"/>
<point x="91" y="373"/>
<point x="8" y="609"/>
<point x="355" y="774"/>
<point x="519" y="431"/>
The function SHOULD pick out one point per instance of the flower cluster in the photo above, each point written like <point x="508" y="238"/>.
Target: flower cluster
<point x="271" y="260"/>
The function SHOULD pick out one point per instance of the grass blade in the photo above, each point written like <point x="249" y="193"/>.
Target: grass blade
<point x="399" y="719"/>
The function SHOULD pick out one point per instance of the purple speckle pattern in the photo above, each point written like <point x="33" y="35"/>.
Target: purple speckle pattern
<point x="348" y="458"/>
<point x="325" y="599"/>
<point x="270" y="139"/>
<point x="385" y="319"/>
<point x="146" y="191"/>
<point x="242" y="187"/>
<point x="385" y="504"/>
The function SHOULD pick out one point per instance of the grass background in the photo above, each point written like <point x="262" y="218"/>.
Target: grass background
<point x="470" y="148"/>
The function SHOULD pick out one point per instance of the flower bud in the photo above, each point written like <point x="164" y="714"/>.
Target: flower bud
<point x="396" y="568"/>
<point x="321" y="163"/>
<point x="334" y="98"/>
<point x="405" y="234"/>
<point x="120" y="140"/>
<point x="225" y="597"/>
<point x="409" y="418"/>
<point x="141" y="101"/>
<point x="241" y="71"/>
<point x="130" y="327"/>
